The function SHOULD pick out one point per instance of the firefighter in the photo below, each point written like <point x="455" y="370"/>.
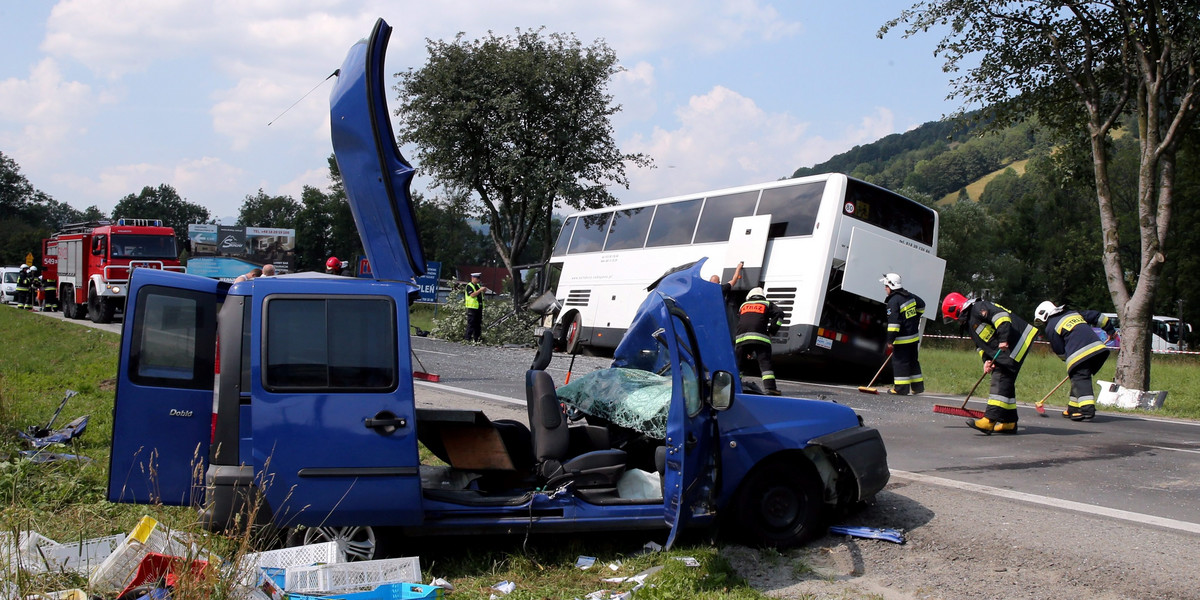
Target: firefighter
<point x="1071" y="337"/>
<point x="1003" y="339"/>
<point x="904" y="312"/>
<point x="473" y="301"/>
<point x="23" y="286"/>
<point x="758" y="320"/>
<point x="333" y="266"/>
<point x="50" y="289"/>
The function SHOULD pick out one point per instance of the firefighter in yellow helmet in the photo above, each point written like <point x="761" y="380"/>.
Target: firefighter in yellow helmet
<point x="1003" y="340"/>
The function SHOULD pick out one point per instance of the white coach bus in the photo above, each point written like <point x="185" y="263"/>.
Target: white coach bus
<point x="818" y="245"/>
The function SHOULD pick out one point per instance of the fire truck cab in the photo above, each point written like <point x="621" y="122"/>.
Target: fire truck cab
<point x="92" y="262"/>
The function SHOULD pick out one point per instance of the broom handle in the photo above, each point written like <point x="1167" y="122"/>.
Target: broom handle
<point x="964" y="404"/>
<point x="877" y="373"/>
<point x="1043" y="400"/>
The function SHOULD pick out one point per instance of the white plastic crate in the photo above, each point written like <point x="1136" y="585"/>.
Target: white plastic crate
<point x="83" y="556"/>
<point x="352" y="576"/>
<point x="298" y="556"/>
<point x="27" y="553"/>
<point x="118" y="569"/>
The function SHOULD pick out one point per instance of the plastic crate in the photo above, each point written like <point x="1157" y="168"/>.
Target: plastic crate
<point x="248" y="569"/>
<point x="118" y="569"/>
<point x="83" y="556"/>
<point x="352" y="577"/>
<point x="30" y="552"/>
<point x="387" y="591"/>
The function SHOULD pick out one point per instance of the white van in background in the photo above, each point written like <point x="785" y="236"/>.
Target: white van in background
<point x="9" y="293"/>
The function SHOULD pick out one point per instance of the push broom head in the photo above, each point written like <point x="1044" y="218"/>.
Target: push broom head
<point x="957" y="411"/>
<point x="868" y="390"/>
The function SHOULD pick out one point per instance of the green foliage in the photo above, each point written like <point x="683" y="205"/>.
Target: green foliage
<point x="325" y="225"/>
<point x="515" y="126"/>
<point x="261" y="210"/>
<point x="500" y="324"/>
<point x="447" y="236"/>
<point x="162" y="202"/>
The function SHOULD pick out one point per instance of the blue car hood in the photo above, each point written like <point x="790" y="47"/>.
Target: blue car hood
<point x="374" y="173"/>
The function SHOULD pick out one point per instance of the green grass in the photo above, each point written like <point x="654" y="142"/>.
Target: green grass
<point x="953" y="367"/>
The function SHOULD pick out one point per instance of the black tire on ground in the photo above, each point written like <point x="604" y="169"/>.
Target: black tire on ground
<point x="779" y="505"/>
<point x="99" y="310"/>
<point x="571" y="344"/>
<point x="356" y="543"/>
<point x="71" y="309"/>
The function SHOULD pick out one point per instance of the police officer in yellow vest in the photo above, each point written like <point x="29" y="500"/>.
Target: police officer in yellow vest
<point x="474" y="302"/>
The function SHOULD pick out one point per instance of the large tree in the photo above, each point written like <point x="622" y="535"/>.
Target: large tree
<point x="261" y="210"/>
<point x="519" y="122"/>
<point x="1081" y="66"/>
<point x="162" y="202"/>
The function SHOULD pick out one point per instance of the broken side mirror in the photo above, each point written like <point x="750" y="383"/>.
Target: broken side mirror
<point x="722" y="390"/>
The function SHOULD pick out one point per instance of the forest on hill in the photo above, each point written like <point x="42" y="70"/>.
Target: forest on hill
<point x="1018" y="210"/>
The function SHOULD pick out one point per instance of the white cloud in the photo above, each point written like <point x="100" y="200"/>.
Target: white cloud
<point x="725" y="139"/>
<point x="46" y="111"/>
<point x="207" y="181"/>
<point x="317" y="178"/>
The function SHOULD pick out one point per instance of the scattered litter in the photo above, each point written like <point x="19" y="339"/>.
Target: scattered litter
<point x="651" y="547"/>
<point x="119" y="568"/>
<point x="250" y="569"/>
<point x="614" y="565"/>
<point x="687" y="561"/>
<point x="887" y="535"/>
<point x="156" y="567"/>
<point x="639" y="579"/>
<point x="442" y="583"/>
<point x="585" y="562"/>
<point x="504" y="587"/>
<point x="608" y="595"/>
<point x="1112" y="394"/>
<point x="61" y="435"/>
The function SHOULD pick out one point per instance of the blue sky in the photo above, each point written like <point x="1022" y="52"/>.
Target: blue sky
<point x="99" y="98"/>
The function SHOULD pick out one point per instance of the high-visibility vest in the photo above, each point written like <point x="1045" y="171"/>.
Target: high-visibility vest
<point x="473" y="301"/>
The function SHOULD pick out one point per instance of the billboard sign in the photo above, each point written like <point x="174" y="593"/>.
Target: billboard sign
<point x="224" y="252"/>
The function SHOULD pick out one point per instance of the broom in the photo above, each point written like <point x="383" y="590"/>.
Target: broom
<point x="962" y="411"/>
<point x="870" y="387"/>
<point x="1038" y="406"/>
<point x="422" y="375"/>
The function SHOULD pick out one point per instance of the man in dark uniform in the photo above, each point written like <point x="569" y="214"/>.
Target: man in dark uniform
<point x="473" y="299"/>
<point x="1072" y="338"/>
<point x="49" y="292"/>
<point x="24" y="285"/>
<point x="904" y="313"/>
<point x="1003" y="339"/>
<point x="758" y="320"/>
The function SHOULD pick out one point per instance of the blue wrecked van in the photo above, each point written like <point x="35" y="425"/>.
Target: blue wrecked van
<point x="289" y="401"/>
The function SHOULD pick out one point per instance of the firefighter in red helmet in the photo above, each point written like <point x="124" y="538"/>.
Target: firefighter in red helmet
<point x="1003" y="340"/>
<point x="333" y="266"/>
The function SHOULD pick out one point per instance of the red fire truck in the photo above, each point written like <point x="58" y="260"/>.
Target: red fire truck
<point x="92" y="262"/>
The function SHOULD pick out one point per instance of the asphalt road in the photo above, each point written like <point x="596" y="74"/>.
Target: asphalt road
<point x="1137" y="468"/>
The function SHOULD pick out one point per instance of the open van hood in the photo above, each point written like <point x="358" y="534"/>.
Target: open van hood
<point x="374" y="173"/>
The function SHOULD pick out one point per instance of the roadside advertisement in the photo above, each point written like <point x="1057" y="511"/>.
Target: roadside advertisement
<point x="225" y="252"/>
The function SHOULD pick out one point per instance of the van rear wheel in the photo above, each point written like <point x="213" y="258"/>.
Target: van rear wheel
<point x="355" y="543"/>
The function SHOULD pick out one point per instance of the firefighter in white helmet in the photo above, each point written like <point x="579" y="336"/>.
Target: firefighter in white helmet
<point x="1072" y="338"/>
<point x="758" y="320"/>
<point x="904" y="313"/>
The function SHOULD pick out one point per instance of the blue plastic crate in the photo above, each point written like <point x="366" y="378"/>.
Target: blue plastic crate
<point x="387" y="591"/>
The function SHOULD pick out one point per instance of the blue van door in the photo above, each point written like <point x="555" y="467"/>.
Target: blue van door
<point x="688" y="486"/>
<point x="162" y="415"/>
<point x="334" y="433"/>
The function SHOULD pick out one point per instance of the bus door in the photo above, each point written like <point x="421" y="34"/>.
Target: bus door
<point x="870" y="256"/>
<point x="747" y="245"/>
<point x="162" y="415"/>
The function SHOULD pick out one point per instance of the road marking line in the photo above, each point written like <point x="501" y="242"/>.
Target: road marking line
<point x="465" y="391"/>
<point x="424" y="351"/>
<point x="1166" y="448"/>
<point x="1091" y="509"/>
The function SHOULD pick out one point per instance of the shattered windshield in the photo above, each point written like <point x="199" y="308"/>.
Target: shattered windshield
<point x="636" y="392"/>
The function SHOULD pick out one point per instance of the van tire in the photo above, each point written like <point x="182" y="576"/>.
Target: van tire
<point x="779" y="505"/>
<point x="356" y="543"/>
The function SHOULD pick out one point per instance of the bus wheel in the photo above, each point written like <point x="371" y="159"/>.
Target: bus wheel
<point x="355" y="543"/>
<point x="572" y="344"/>
<point x="779" y="505"/>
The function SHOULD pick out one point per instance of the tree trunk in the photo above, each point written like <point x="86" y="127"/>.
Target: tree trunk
<point x="1133" y="360"/>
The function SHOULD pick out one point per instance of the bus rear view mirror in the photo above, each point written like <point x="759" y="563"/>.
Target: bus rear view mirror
<point x="722" y="390"/>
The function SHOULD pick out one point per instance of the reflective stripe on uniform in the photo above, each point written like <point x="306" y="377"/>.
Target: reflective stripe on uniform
<point x="1002" y="402"/>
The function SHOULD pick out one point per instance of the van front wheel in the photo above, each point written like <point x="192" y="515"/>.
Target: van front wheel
<point x="779" y="505"/>
<point x="355" y="543"/>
